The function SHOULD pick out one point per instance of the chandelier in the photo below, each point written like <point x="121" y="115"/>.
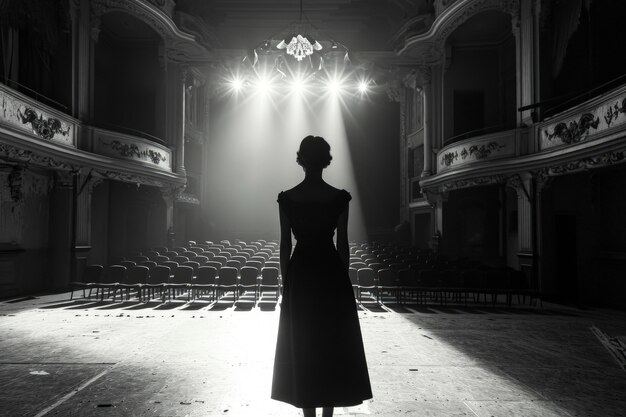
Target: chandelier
<point x="299" y="44"/>
<point x="299" y="47"/>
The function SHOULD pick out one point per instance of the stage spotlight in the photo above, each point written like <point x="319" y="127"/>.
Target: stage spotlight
<point x="236" y="84"/>
<point x="334" y="86"/>
<point x="264" y="85"/>
<point x="297" y="85"/>
<point x="363" y="87"/>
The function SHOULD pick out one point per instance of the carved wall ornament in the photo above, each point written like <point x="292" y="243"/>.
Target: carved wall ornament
<point x="130" y="150"/>
<point x="477" y="151"/>
<point x="576" y="131"/>
<point x="603" y="160"/>
<point x="18" y="154"/>
<point x="474" y="182"/>
<point x="21" y="114"/>
<point x="613" y="111"/>
<point x="45" y="128"/>
<point x="586" y="123"/>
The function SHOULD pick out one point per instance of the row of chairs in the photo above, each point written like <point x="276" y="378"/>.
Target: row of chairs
<point x="162" y="280"/>
<point x="446" y="285"/>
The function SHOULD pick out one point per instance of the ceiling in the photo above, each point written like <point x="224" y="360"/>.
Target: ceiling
<point x="361" y="25"/>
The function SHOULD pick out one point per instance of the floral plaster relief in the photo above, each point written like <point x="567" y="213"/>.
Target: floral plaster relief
<point x="579" y="128"/>
<point x="39" y="123"/>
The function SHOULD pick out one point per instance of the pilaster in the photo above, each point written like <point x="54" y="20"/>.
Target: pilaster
<point x="427" y="100"/>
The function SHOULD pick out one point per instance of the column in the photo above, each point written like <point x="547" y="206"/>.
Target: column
<point x="427" y="100"/>
<point x="85" y="185"/>
<point x="175" y="81"/>
<point x="61" y="231"/>
<point x="523" y="186"/>
<point x="523" y="23"/>
<point x="83" y="38"/>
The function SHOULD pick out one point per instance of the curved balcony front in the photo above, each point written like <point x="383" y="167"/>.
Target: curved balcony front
<point x="131" y="148"/>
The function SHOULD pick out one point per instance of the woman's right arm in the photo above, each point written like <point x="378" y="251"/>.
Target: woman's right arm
<point x="285" y="242"/>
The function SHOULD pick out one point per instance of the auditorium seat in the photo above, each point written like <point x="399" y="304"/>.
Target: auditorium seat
<point x="204" y="281"/>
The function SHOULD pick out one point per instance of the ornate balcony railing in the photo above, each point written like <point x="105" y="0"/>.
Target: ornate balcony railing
<point x="478" y="149"/>
<point x="598" y="118"/>
<point x="38" y="120"/>
<point x="131" y="148"/>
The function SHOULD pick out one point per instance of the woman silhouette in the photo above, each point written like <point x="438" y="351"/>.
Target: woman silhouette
<point x="320" y="361"/>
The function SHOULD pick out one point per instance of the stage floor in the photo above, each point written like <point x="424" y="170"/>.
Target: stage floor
<point x="85" y="358"/>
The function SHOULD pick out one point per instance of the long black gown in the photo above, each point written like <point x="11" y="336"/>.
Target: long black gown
<point x="320" y="361"/>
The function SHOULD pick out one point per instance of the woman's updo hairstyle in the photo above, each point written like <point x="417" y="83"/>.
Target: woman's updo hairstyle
<point x="314" y="153"/>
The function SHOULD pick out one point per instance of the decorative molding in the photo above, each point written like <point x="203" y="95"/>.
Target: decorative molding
<point x="18" y="112"/>
<point x="473" y="182"/>
<point x="583" y="164"/>
<point x="45" y="129"/>
<point x="477" y="149"/>
<point x="429" y="46"/>
<point x="119" y="145"/>
<point x="584" y="122"/>
<point x="132" y="151"/>
<point x="181" y="45"/>
<point x="576" y="131"/>
<point x="188" y="199"/>
<point x="22" y="155"/>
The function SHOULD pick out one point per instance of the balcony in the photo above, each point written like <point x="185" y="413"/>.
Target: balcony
<point x="478" y="150"/>
<point x="131" y="148"/>
<point x="594" y="122"/>
<point x="36" y="121"/>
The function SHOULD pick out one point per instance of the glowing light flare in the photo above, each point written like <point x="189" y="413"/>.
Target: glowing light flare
<point x="363" y="86"/>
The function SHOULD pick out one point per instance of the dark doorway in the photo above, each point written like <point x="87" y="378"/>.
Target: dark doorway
<point x="566" y="257"/>
<point x="422" y="230"/>
<point x="469" y="111"/>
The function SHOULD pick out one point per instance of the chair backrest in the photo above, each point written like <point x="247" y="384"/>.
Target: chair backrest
<point x="233" y="263"/>
<point x="221" y="259"/>
<point x="138" y="274"/>
<point x="160" y="259"/>
<point x="159" y="249"/>
<point x="160" y="274"/>
<point x="192" y="264"/>
<point x="197" y="250"/>
<point x="263" y="255"/>
<point x="214" y="250"/>
<point x="170" y="254"/>
<point x="127" y="264"/>
<point x="232" y="251"/>
<point x="358" y="265"/>
<point x="242" y="259"/>
<point x="92" y="273"/>
<point x="269" y="264"/>
<point x="376" y="266"/>
<point x="248" y="275"/>
<point x="227" y="275"/>
<point x="269" y="276"/>
<point x="152" y="253"/>
<point x="201" y="259"/>
<point x="248" y="251"/>
<point x="366" y="277"/>
<point x="206" y="275"/>
<point x="171" y="265"/>
<point x="257" y="258"/>
<point x="113" y="274"/>
<point x="182" y="275"/>
<point x="179" y="249"/>
<point x="140" y="258"/>
<point x="225" y="254"/>
<point x="387" y="277"/>
<point x="255" y="264"/>
<point x="149" y="264"/>
<point x="180" y="259"/>
<point x="214" y="264"/>
<point x="189" y="254"/>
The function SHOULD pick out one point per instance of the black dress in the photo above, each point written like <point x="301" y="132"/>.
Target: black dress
<point x="320" y="361"/>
